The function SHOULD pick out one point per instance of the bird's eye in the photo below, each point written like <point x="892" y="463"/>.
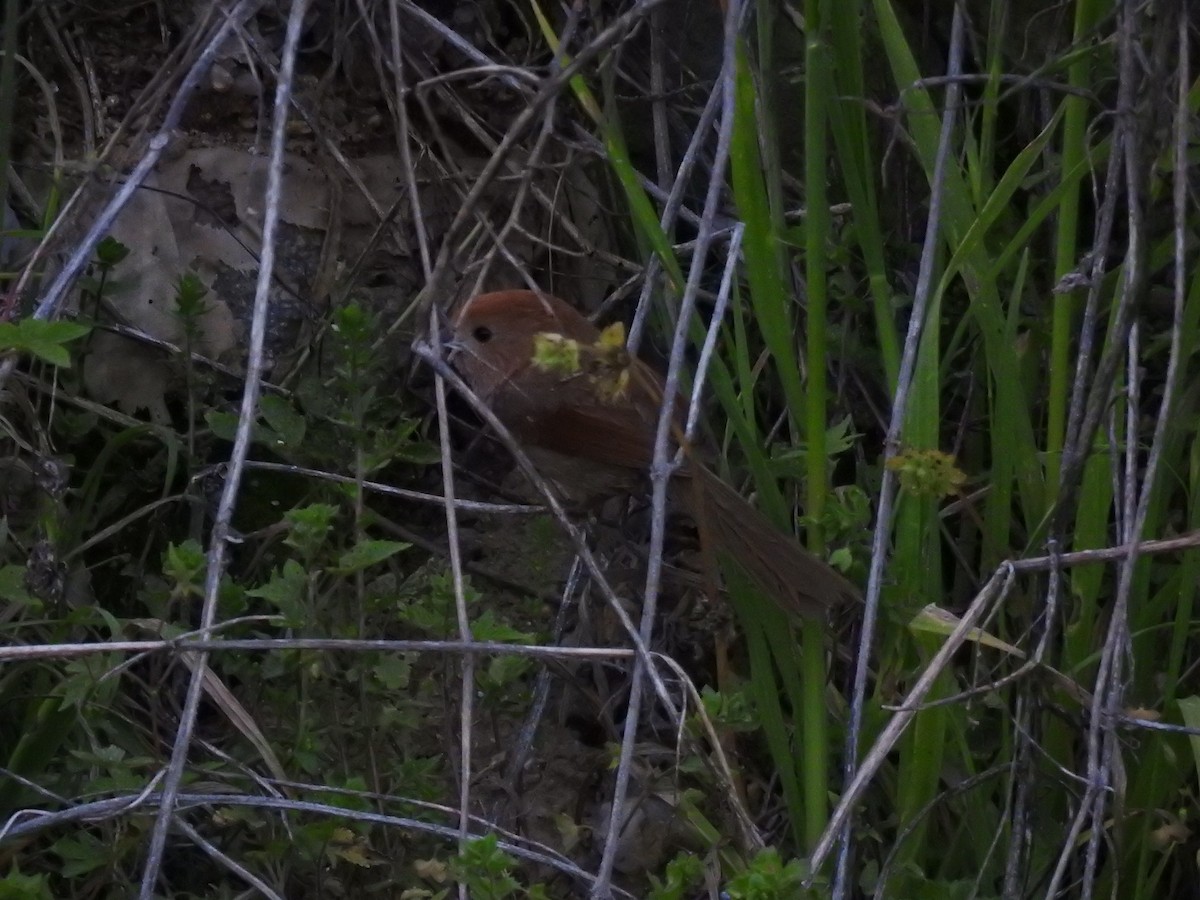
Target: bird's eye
<point x="482" y="333"/>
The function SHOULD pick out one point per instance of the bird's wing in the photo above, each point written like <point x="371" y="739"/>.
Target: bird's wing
<point x="614" y="435"/>
<point x="618" y="431"/>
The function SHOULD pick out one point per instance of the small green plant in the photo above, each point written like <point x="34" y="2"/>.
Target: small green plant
<point x="189" y="308"/>
<point x="98" y="283"/>
<point x="768" y="878"/>
<point x="15" y="886"/>
<point x="44" y="340"/>
<point x="683" y="874"/>
<point x="486" y="870"/>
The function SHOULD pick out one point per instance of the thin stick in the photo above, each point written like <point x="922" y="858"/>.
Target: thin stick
<point x="249" y="410"/>
<point x="887" y="491"/>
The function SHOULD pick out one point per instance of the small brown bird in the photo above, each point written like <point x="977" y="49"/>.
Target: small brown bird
<point x="588" y="414"/>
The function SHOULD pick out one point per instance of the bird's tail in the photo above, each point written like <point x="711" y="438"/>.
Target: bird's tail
<point x="797" y="580"/>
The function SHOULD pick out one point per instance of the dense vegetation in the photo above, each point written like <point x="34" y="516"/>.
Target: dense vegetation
<point x="277" y="619"/>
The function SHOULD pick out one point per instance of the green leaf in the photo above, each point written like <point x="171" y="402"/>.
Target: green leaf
<point x="488" y="628"/>
<point x="505" y="670"/>
<point x="12" y="586"/>
<point x="288" y="425"/>
<point x="81" y="852"/>
<point x="366" y="554"/>
<point x="189" y="297"/>
<point x="308" y="527"/>
<point x="684" y="872"/>
<point x="42" y="339"/>
<point x="184" y="564"/>
<point x="286" y="591"/>
<point x="767" y="878"/>
<point x="15" y="886"/>
<point x="284" y="426"/>
<point x="393" y="671"/>
<point x="224" y="425"/>
<point x="110" y="251"/>
<point x="486" y="869"/>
